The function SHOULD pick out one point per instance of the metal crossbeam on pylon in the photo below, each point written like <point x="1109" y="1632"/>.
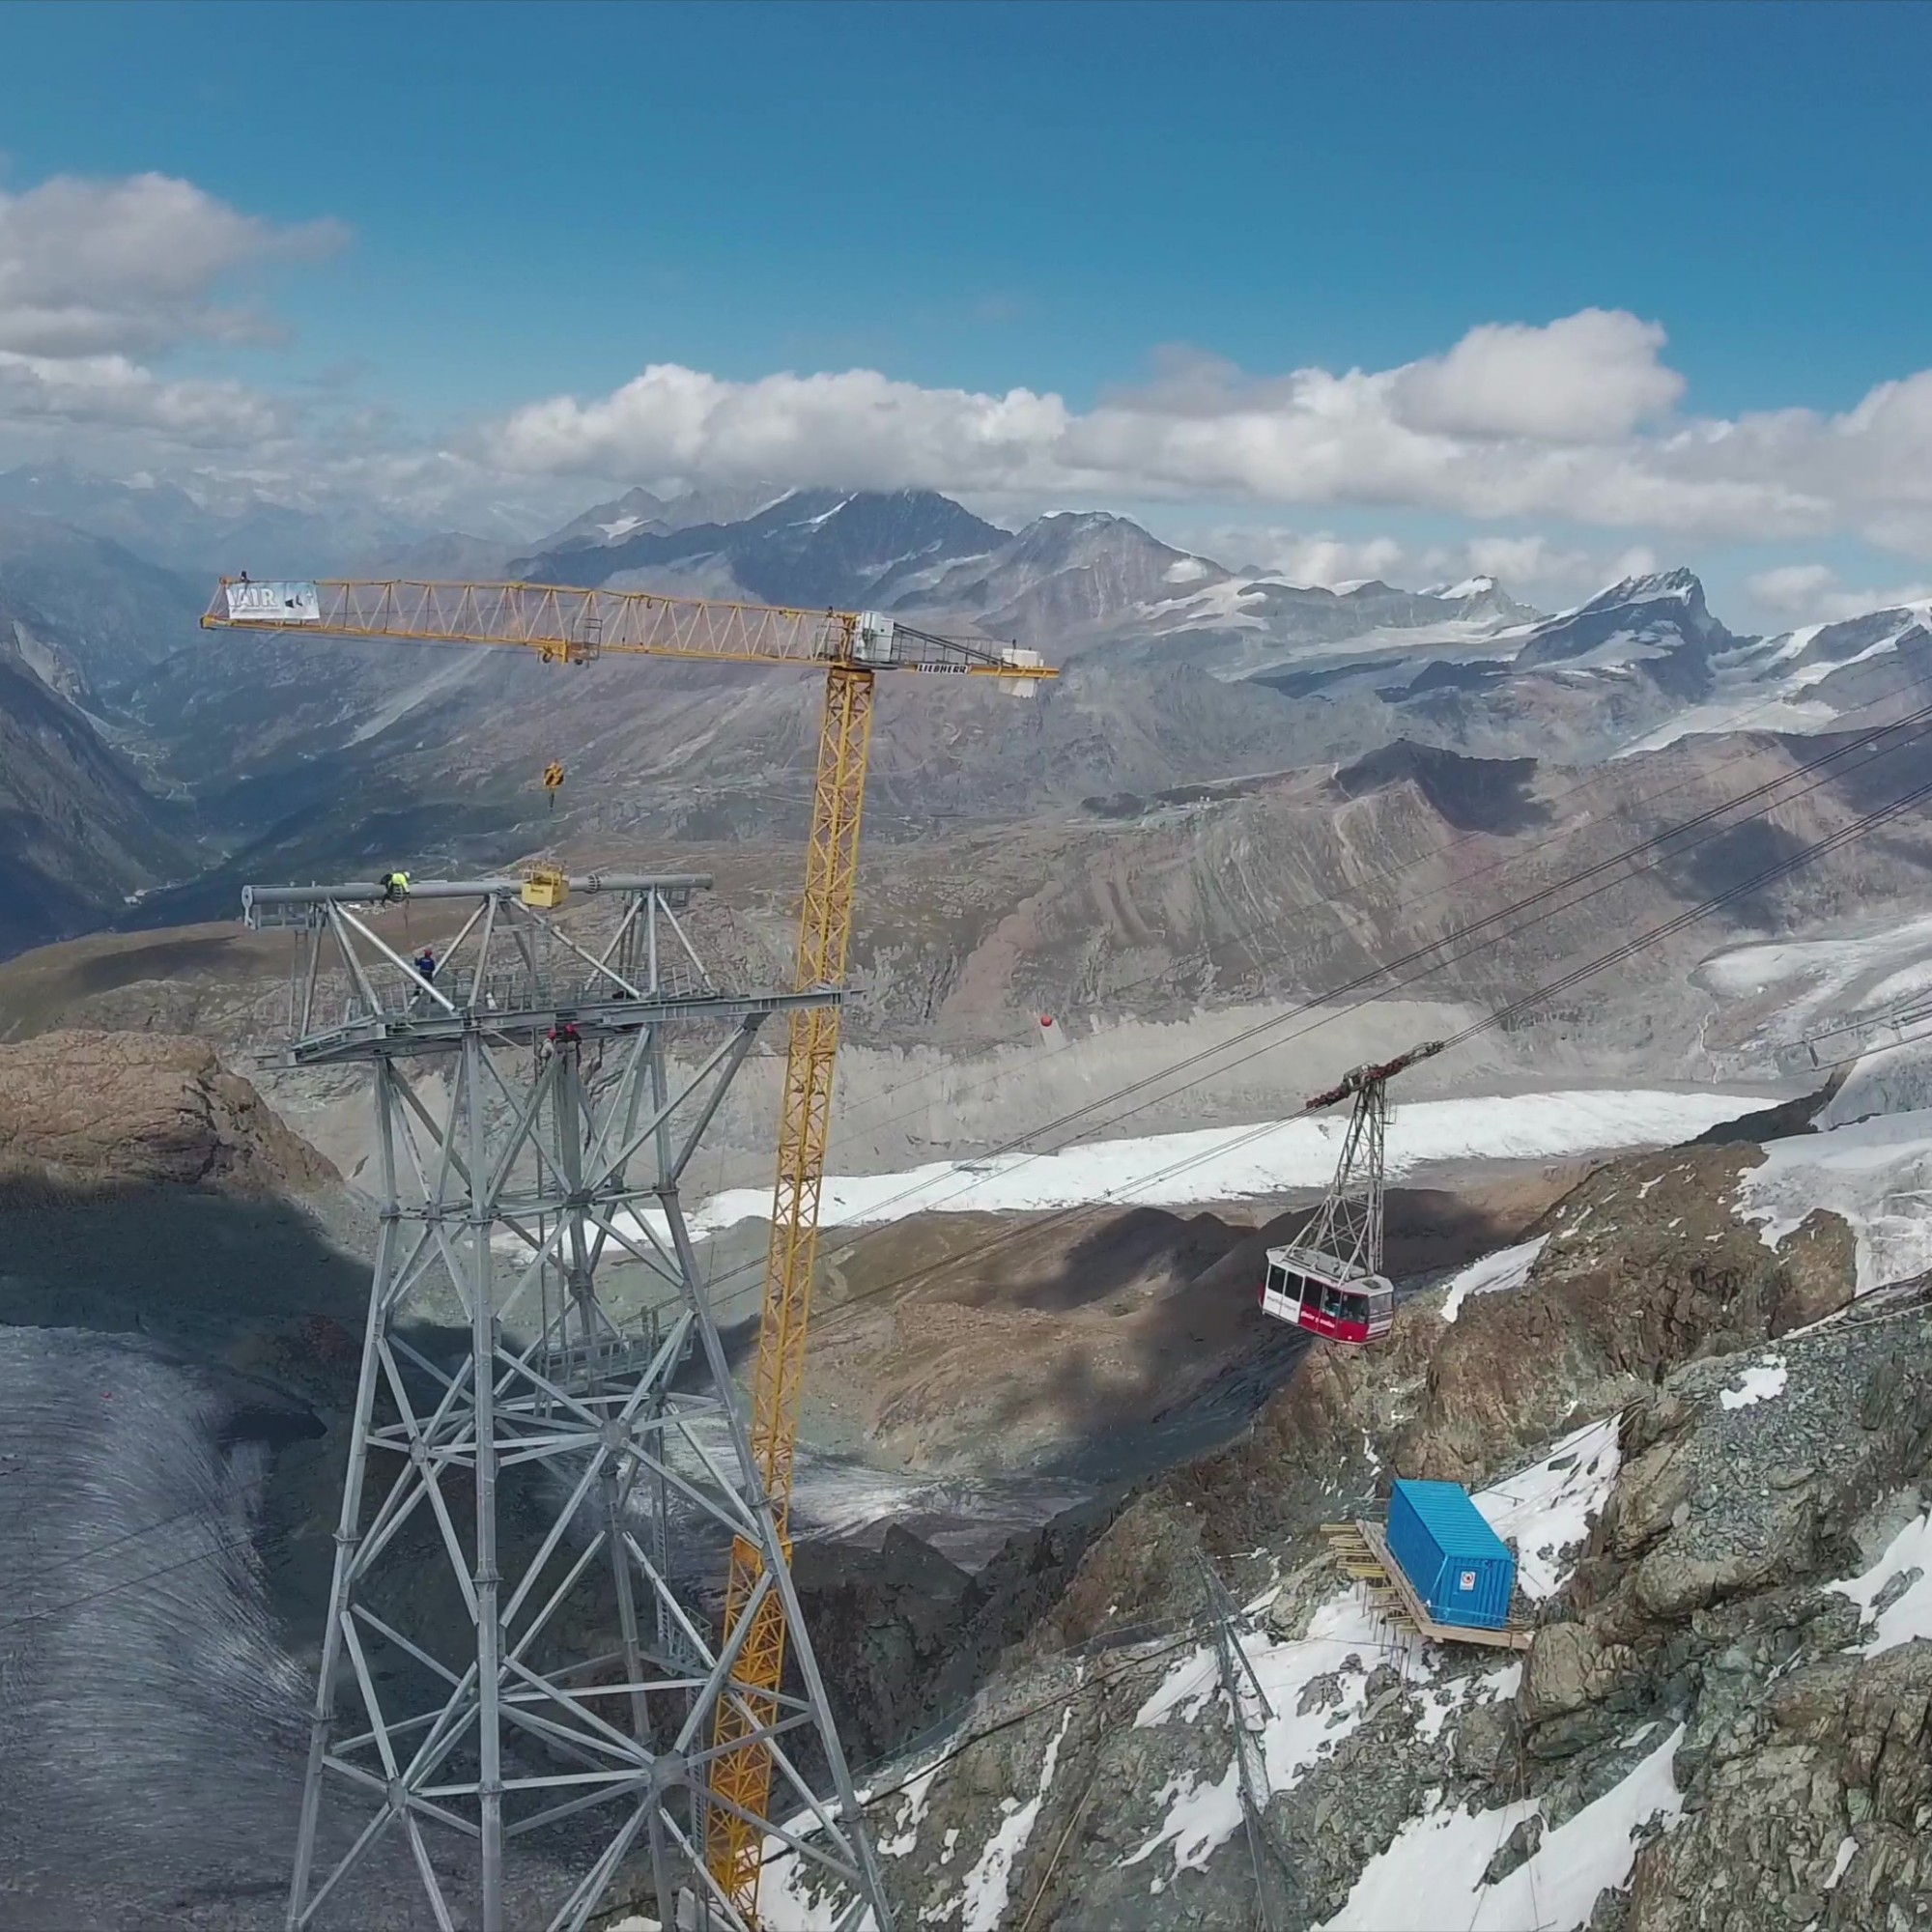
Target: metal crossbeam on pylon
<point x="563" y="1471"/>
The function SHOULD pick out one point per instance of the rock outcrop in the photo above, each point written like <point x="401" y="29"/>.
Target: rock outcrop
<point x="1723" y="1721"/>
<point x="118" y="1111"/>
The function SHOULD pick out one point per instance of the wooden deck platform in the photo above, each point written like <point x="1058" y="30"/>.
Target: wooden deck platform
<point x="1362" y="1551"/>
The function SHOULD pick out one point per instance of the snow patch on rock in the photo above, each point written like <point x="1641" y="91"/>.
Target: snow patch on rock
<point x="1545" y="1511"/>
<point x="1902" y="1578"/>
<point x="982" y="1899"/>
<point x="1760" y="1382"/>
<point x="1431" y="1875"/>
<point x="1506" y="1269"/>
<point x="1343" y="1645"/>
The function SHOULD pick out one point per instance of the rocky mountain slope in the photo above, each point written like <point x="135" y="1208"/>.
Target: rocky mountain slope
<point x="130" y="1110"/>
<point x="1162" y="825"/>
<point x="1155" y="931"/>
<point x="79" y="832"/>
<point x="88" y="614"/>
<point x="1712" y="1469"/>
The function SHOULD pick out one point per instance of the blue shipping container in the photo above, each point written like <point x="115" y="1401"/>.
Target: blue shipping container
<point x="1458" y="1565"/>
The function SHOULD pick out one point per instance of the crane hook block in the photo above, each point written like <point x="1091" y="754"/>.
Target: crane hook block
<point x="552" y="775"/>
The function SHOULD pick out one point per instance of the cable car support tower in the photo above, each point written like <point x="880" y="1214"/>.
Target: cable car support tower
<point x="1329" y="1278"/>
<point x="539" y="1094"/>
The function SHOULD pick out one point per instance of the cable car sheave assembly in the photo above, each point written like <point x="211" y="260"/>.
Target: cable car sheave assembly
<point x="581" y="1143"/>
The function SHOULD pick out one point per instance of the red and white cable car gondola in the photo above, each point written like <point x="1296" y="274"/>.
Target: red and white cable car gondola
<point x="1330" y="1280"/>
<point x="1306" y="1286"/>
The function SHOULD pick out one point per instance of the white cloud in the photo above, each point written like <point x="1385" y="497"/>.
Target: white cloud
<point x="1512" y="422"/>
<point x="91" y="268"/>
<point x="113" y="392"/>
<point x="1575" y="422"/>
<point x="1813" y="593"/>
<point x="1322" y="558"/>
<point x="95" y="275"/>
<point x="858" y="426"/>
<point x="1591" y="377"/>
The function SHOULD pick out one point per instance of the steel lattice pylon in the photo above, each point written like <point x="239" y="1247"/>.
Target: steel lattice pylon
<point x="552" y="1146"/>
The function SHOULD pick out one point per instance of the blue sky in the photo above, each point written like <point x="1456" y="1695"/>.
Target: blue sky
<point x="544" y="201"/>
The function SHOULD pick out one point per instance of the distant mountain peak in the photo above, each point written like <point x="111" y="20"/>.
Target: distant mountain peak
<point x="1656" y="618"/>
<point x="1470" y="586"/>
<point x="849" y="548"/>
<point x="1679" y="585"/>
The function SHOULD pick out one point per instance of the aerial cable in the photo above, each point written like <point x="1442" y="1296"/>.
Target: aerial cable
<point x="1845" y="834"/>
<point x="1515" y="856"/>
<point x="1430" y="957"/>
<point x="1829" y="843"/>
<point x="1602" y="962"/>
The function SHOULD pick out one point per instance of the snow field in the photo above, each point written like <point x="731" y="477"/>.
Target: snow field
<point x="1821" y="970"/>
<point x="1875" y="1173"/>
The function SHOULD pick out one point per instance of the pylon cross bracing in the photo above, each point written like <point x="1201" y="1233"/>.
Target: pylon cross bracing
<point x="561" y="1469"/>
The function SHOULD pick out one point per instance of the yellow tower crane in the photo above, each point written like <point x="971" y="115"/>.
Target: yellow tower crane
<point x="563" y="625"/>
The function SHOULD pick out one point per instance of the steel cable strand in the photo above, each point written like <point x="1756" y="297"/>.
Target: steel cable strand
<point x="1324" y="1017"/>
<point x="1389" y="875"/>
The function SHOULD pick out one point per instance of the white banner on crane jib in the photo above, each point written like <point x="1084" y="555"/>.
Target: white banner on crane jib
<point x="273" y="604"/>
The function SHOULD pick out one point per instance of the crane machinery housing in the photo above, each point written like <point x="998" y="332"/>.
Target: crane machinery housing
<point x="576" y="626"/>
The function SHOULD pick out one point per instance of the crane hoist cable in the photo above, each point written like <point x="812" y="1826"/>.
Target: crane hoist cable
<point x="569" y="625"/>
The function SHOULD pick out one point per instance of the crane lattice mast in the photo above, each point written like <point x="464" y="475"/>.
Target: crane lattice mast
<point x="566" y="624"/>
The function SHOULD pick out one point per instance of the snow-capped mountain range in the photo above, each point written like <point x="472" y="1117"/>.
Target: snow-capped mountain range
<point x="1072" y="577"/>
<point x="1180" y="673"/>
